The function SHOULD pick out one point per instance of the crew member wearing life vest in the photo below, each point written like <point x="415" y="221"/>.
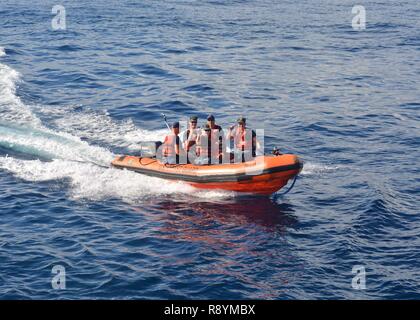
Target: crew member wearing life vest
<point x="189" y="136"/>
<point x="207" y="147"/>
<point x="171" y="147"/>
<point x="219" y="136"/>
<point x="244" y="141"/>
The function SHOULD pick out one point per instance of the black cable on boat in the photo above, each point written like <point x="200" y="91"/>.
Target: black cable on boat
<point x="290" y="188"/>
<point x="146" y="164"/>
<point x="92" y="162"/>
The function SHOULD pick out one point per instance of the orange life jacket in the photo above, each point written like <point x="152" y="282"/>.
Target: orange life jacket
<point x="217" y="131"/>
<point x="208" y="145"/>
<point x="243" y="140"/>
<point x="169" y="144"/>
<point x="189" y="138"/>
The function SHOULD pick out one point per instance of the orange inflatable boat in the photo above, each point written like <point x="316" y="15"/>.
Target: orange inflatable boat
<point x="263" y="175"/>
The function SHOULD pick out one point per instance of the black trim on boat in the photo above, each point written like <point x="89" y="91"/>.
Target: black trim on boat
<point x="210" y="178"/>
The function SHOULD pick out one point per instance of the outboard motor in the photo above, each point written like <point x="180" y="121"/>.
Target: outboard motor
<point x="148" y="149"/>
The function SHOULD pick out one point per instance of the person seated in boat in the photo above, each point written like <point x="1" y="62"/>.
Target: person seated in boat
<point x="244" y="141"/>
<point x="189" y="136"/>
<point x="207" y="147"/>
<point x="171" y="147"/>
<point x="211" y="121"/>
<point x="219" y="136"/>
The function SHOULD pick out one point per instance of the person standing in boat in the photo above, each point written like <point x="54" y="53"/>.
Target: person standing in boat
<point x="218" y="137"/>
<point x="171" y="147"/>
<point x="244" y="141"/>
<point x="207" y="151"/>
<point x="189" y="136"/>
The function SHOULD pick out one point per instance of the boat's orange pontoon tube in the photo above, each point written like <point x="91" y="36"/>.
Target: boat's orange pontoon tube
<point x="264" y="175"/>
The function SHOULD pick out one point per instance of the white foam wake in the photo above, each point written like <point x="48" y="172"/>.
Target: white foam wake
<point x="49" y="144"/>
<point x="98" y="126"/>
<point x="88" y="181"/>
<point x="311" y="168"/>
<point x="92" y="182"/>
<point x="72" y="160"/>
<point x="11" y="107"/>
<point x="2" y="52"/>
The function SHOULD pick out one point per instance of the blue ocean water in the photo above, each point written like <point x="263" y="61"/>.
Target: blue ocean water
<point x="347" y="102"/>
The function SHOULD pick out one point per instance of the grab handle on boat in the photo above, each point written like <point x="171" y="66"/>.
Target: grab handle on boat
<point x="276" y="151"/>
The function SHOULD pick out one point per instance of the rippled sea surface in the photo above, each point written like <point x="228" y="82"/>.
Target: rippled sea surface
<point x="347" y="102"/>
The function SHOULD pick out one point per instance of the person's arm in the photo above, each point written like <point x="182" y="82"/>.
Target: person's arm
<point x="222" y="141"/>
<point x="191" y="140"/>
<point x="190" y="143"/>
<point x="230" y="134"/>
<point x="164" y="147"/>
<point x="255" y="144"/>
<point x="177" y="148"/>
<point x="197" y="142"/>
<point x="185" y="140"/>
<point x="181" y="136"/>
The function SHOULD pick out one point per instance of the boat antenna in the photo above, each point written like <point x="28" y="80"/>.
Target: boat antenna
<point x="166" y="122"/>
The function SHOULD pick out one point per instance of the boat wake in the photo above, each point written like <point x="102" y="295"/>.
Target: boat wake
<point x="317" y="169"/>
<point x="73" y="147"/>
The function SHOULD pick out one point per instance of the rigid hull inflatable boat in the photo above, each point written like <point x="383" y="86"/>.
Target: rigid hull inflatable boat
<point x="263" y="175"/>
